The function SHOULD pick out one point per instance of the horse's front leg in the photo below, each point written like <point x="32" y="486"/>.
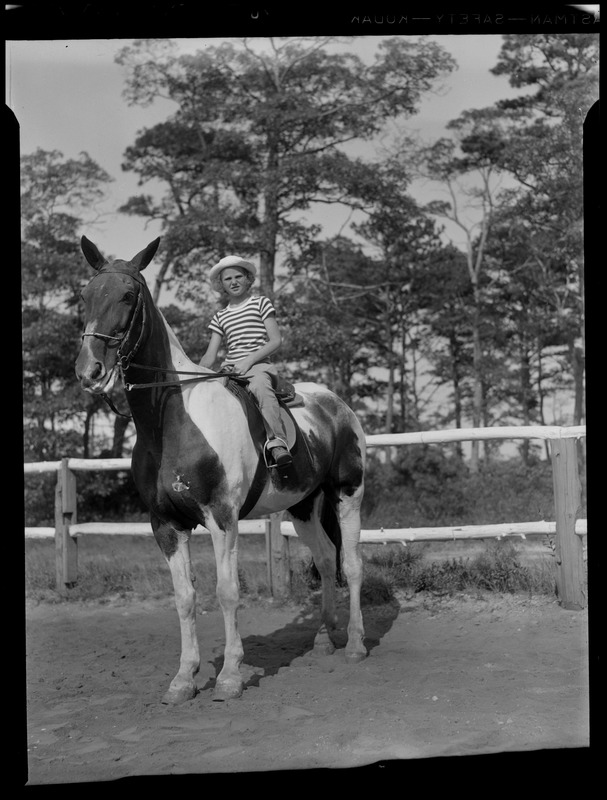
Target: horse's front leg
<point x="229" y="682"/>
<point x="175" y="546"/>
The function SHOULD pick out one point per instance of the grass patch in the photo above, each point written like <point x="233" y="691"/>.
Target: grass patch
<point x="389" y="570"/>
<point x="132" y="566"/>
<point x="496" y="569"/>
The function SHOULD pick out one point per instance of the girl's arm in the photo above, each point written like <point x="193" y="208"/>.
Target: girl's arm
<point x="210" y="355"/>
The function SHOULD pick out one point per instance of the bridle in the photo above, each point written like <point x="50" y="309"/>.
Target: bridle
<point x="125" y="360"/>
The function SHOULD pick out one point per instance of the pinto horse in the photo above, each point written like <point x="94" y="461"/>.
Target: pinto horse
<point x="197" y="462"/>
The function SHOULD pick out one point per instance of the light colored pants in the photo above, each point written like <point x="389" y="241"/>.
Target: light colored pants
<point x="262" y="380"/>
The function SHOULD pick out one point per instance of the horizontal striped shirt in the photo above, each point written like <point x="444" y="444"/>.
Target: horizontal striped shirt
<point x="242" y="327"/>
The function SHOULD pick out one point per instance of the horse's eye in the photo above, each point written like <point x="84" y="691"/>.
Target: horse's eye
<point x="128" y="296"/>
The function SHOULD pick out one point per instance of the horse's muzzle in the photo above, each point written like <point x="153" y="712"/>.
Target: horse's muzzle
<point x="92" y="374"/>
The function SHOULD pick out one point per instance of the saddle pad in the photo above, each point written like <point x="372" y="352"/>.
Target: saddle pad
<point x="290" y="429"/>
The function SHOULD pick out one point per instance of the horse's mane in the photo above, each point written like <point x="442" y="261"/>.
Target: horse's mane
<point x="178" y="355"/>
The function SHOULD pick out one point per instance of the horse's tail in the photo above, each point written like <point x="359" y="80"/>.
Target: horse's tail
<point x="330" y="522"/>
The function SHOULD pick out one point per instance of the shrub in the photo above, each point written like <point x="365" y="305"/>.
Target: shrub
<point x="427" y="487"/>
<point x="497" y="569"/>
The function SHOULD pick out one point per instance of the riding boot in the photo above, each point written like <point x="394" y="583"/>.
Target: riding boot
<point x="280" y="452"/>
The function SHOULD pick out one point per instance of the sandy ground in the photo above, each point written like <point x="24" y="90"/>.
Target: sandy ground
<point x="444" y="677"/>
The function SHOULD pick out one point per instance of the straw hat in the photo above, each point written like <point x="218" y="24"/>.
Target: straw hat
<point x="231" y="261"/>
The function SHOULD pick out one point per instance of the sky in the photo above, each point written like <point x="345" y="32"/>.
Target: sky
<point x="67" y="96"/>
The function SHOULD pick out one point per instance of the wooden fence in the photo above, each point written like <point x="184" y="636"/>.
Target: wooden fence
<point x="567" y="529"/>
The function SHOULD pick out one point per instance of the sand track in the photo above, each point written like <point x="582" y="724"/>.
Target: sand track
<point x="444" y="677"/>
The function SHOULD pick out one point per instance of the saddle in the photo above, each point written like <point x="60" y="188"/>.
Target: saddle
<point x="287" y="398"/>
<point x="286" y="394"/>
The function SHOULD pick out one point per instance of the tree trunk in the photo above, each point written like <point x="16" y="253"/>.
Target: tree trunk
<point x="402" y="383"/>
<point x="269" y="218"/>
<point x="477" y="392"/>
<point x="457" y="392"/>
<point x="525" y="386"/>
<point x="120" y="426"/>
<point x="390" y="396"/>
<point x="576" y="356"/>
<point x="540" y="395"/>
<point x="86" y="436"/>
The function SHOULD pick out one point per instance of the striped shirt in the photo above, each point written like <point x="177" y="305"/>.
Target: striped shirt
<point x="242" y="327"/>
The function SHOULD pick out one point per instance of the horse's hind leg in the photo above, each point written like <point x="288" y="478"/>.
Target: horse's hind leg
<point x="306" y="521"/>
<point x="349" y="520"/>
<point x="175" y="546"/>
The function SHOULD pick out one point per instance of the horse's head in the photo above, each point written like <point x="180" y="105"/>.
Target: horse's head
<point x="114" y="309"/>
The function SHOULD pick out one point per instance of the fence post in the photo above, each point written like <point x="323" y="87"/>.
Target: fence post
<point x="570" y="582"/>
<point x="280" y="566"/>
<point x="66" y="547"/>
<point x="268" y="529"/>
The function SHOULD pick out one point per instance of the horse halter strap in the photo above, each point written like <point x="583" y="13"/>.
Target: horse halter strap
<point x="124" y="360"/>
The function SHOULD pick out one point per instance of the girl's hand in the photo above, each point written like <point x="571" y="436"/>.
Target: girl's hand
<point x="242" y="367"/>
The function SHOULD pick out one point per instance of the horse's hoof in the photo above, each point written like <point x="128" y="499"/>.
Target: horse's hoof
<point x="323" y="649"/>
<point x="355" y="657"/>
<point x="181" y="694"/>
<point x="226" y="691"/>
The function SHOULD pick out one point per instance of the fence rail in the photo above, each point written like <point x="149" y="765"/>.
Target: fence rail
<point x="373" y="440"/>
<point x="377" y="536"/>
<point x="566" y="528"/>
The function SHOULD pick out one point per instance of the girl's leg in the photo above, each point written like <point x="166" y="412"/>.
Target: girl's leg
<point x="261" y="386"/>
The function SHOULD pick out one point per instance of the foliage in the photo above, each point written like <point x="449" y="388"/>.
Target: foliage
<point x="57" y="415"/>
<point x="375" y="300"/>
<point x="53" y="188"/>
<point x="524" y="247"/>
<point x="317" y="349"/>
<point x="497" y="569"/>
<point x="191" y="328"/>
<point x="258" y="137"/>
<point x="39" y="506"/>
<point x="426" y="486"/>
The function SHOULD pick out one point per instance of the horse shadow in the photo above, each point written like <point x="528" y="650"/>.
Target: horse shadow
<point x="265" y="655"/>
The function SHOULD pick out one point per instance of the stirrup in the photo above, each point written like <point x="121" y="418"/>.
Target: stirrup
<point x="270" y="445"/>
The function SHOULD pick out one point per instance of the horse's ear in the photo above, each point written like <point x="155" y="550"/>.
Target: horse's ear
<point x="142" y="259"/>
<point x="91" y="253"/>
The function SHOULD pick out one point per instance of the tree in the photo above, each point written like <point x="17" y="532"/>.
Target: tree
<point x="544" y="153"/>
<point x="537" y="142"/>
<point x="404" y="237"/>
<point x="444" y="293"/>
<point x="465" y="166"/>
<point x="54" y="190"/>
<point x="524" y="250"/>
<point x="318" y="349"/>
<point x="375" y="300"/>
<point x="258" y="137"/>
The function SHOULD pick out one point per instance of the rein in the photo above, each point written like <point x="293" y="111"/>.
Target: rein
<point x="206" y="376"/>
